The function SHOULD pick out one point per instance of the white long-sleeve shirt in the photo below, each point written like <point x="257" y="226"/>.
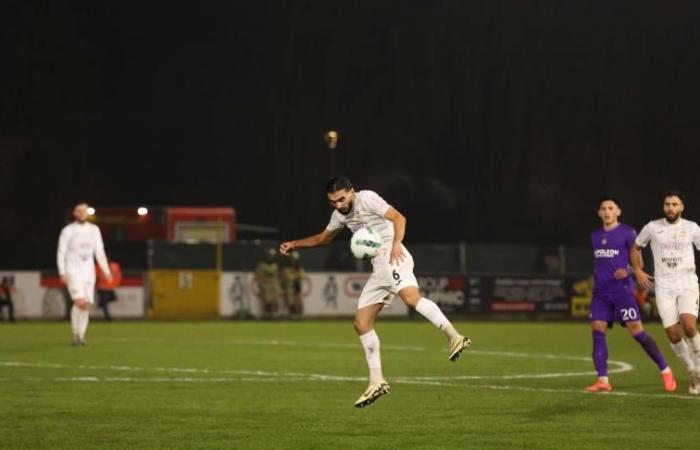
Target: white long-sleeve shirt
<point x="78" y="246"/>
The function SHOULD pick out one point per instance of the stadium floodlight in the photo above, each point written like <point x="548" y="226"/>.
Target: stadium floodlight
<point x="91" y="211"/>
<point x="142" y="211"/>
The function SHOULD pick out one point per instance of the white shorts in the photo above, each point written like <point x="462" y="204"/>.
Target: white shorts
<point x="79" y="289"/>
<point x="672" y="303"/>
<point x="387" y="280"/>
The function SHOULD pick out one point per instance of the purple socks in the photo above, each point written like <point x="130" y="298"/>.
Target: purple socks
<point x="600" y="353"/>
<point x="649" y="345"/>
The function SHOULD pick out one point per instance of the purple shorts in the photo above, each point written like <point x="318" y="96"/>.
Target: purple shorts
<point x="614" y="307"/>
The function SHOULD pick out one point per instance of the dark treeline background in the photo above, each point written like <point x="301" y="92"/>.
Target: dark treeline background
<point x="489" y="121"/>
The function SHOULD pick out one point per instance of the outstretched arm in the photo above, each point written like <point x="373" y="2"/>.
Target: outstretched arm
<point x="323" y="238"/>
<point x="399" y="222"/>
<point x="643" y="278"/>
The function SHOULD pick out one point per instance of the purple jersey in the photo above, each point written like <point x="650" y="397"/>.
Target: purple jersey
<point x="611" y="252"/>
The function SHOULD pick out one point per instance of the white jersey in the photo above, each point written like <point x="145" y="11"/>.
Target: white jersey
<point x="672" y="246"/>
<point x="78" y="246"/>
<point x="367" y="211"/>
<point x="386" y="280"/>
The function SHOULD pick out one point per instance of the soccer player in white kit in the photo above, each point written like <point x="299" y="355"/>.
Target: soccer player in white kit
<point x="392" y="274"/>
<point x="675" y="281"/>
<point x="79" y="244"/>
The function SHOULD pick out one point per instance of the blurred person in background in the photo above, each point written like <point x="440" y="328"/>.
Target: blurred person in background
<point x="79" y="245"/>
<point x="6" y="288"/>
<point x="292" y="278"/>
<point x="106" y="287"/>
<point x="642" y="295"/>
<point x="267" y="277"/>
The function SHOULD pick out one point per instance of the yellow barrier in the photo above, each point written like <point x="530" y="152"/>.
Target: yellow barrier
<point x="184" y="294"/>
<point x="580" y="306"/>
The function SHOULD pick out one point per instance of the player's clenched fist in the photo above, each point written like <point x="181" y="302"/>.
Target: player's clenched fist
<point x="286" y="247"/>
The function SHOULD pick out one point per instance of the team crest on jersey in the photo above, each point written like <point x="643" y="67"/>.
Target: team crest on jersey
<point x="604" y="241"/>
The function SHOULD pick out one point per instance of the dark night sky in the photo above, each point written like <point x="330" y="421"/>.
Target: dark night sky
<point x="494" y="121"/>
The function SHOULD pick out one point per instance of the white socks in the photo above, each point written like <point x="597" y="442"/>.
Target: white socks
<point x="75" y="321"/>
<point x="370" y="342"/>
<point x="694" y="343"/>
<point x="79" y="319"/>
<point x="84" y="320"/>
<point x="681" y="350"/>
<point x="431" y="311"/>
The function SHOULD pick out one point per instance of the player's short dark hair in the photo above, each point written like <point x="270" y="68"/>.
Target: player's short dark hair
<point x="337" y="183"/>
<point x="80" y="202"/>
<point x="609" y="198"/>
<point x="674" y="193"/>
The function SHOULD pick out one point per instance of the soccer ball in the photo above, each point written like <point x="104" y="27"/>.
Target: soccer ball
<point x="365" y="243"/>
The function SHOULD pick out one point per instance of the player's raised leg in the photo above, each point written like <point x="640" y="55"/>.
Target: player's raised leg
<point x="636" y="329"/>
<point x="428" y="309"/>
<point x="364" y="326"/>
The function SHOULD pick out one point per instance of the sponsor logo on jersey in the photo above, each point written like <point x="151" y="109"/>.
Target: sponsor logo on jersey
<point x="672" y="262"/>
<point x="606" y="253"/>
<point x="672" y="246"/>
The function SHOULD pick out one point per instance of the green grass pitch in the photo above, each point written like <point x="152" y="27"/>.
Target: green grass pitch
<point x="293" y="384"/>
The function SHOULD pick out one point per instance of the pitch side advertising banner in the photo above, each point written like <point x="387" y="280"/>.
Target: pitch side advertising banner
<point x="37" y="297"/>
<point x="527" y="295"/>
<point x="330" y="294"/>
<point x="466" y="295"/>
<point x="324" y="294"/>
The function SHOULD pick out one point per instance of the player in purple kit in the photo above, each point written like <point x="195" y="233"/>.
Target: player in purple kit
<point x="612" y="295"/>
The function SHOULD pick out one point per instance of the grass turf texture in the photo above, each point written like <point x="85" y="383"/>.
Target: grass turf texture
<point x="293" y="384"/>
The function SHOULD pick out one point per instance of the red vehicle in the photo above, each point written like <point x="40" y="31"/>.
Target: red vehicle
<point x="176" y="224"/>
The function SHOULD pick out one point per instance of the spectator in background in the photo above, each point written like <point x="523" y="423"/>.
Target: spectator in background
<point x="267" y="278"/>
<point x="292" y="278"/>
<point x="6" y="288"/>
<point x="550" y="261"/>
<point x="641" y="295"/>
<point x="106" y="287"/>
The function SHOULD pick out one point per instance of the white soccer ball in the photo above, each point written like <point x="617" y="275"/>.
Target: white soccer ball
<point x="365" y="243"/>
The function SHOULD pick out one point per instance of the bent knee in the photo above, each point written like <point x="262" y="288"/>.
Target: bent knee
<point x="689" y="329"/>
<point x="598" y="325"/>
<point x="673" y="335"/>
<point x="634" y="327"/>
<point x="361" y="326"/>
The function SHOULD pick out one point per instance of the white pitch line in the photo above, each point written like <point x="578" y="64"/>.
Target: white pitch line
<point x="575" y="391"/>
<point x="258" y="373"/>
<point x="621" y="367"/>
<point x="94" y="379"/>
<point x="339" y="345"/>
<point x="616" y="366"/>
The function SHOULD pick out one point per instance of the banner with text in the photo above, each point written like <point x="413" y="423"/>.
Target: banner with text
<point x="324" y="294"/>
<point x="39" y="297"/>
